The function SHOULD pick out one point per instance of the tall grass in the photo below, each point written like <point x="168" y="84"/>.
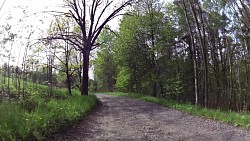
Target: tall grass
<point x="229" y="117"/>
<point x="36" y="118"/>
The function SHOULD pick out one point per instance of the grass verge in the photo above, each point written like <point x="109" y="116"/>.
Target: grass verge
<point x="37" y="118"/>
<point x="229" y="117"/>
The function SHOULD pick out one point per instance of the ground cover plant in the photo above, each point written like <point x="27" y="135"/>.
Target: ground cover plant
<point x="37" y="116"/>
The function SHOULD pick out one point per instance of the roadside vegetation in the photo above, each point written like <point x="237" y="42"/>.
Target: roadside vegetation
<point x="38" y="116"/>
<point x="229" y="117"/>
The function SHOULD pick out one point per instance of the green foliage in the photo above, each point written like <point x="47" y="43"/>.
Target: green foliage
<point x="122" y="81"/>
<point x="174" y="87"/>
<point x="132" y="56"/>
<point x="105" y="68"/>
<point x="30" y="104"/>
<point x="36" y="118"/>
<point x="92" y="86"/>
<point x="35" y="89"/>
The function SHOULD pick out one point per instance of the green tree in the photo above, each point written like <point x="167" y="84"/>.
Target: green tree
<point x="104" y="65"/>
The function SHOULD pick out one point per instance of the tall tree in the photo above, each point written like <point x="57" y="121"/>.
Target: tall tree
<point x="91" y="22"/>
<point x="191" y="43"/>
<point x="104" y="64"/>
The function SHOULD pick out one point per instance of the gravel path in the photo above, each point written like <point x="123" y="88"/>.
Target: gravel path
<point x="119" y="118"/>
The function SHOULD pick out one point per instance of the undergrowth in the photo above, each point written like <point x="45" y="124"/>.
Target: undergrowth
<point x="36" y="118"/>
<point x="229" y="117"/>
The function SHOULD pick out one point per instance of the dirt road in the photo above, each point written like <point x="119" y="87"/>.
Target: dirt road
<point x="119" y="118"/>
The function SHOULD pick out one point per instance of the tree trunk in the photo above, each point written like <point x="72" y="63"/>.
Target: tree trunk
<point x="8" y="79"/>
<point x="201" y="36"/>
<point x="68" y="82"/>
<point x="67" y="53"/>
<point x="192" y="46"/>
<point x="79" y="69"/>
<point x="85" y="72"/>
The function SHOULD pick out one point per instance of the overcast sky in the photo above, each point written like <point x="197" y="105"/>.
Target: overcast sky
<point x="23" y="13"/>
<point x="27" y="15"/>
<point x="24" y="16"/>
<point x="14" y="8"/>
<point x="31" y="6"/>
<point x="12" y="13"/>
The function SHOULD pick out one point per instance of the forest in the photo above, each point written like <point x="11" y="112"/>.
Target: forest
<point x="189" y="51"/>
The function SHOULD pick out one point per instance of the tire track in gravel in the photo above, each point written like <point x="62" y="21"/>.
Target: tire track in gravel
<point x="120" y="118"/>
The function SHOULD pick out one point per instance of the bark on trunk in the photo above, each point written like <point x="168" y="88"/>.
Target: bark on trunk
<point x="85" y="77"/>
<point x="201" y="36"/>
<point x="69" y="82"/>
<point x="192" y="45"/>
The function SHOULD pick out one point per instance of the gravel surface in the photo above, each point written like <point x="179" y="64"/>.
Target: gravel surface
<point x="119" y="118"/>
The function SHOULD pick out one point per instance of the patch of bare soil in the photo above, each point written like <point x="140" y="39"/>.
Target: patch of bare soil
<point x="119" y="118"/>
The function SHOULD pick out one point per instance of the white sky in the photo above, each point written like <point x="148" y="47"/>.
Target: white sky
<point x="11" y="7"/>
<point x="35" y="20"/>
<point x="25" y="16"/>
<point x="36" y="17"/>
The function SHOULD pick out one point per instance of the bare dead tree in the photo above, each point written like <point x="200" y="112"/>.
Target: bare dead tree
<point x="91" y="17"/>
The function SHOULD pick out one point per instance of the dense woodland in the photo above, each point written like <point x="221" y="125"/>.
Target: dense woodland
<point x="194" y="51"/>
<point x="189" y="50"/>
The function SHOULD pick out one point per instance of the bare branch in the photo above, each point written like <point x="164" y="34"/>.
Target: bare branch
<point x="110" y="17"/>
<point x="2" y="5"/>
<point x="103" y="11"/>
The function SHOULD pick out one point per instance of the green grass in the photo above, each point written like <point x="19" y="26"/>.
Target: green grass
<point x="34" y="89"/>
<point x="233" y="118"/>
<point x="36" y="118"/>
